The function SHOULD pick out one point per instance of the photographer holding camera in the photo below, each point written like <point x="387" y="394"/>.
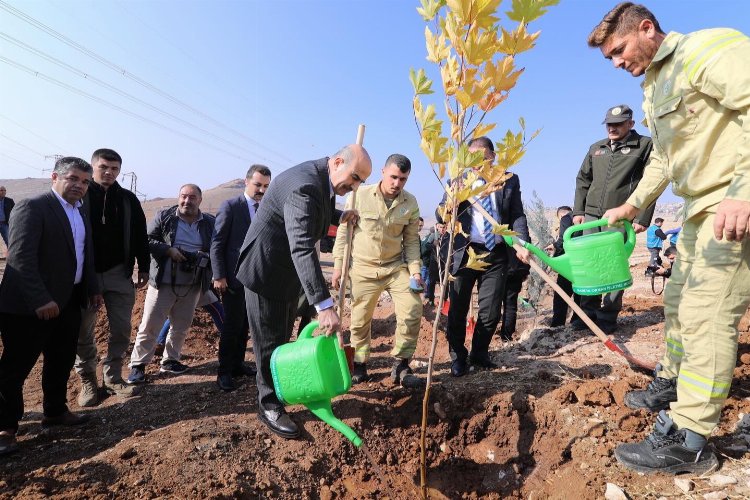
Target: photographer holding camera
<point x="179" y="241"/>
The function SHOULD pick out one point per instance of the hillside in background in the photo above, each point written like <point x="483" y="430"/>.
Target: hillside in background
<point x="18" y="189"/>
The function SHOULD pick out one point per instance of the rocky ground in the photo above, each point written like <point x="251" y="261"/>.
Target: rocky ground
<point x="544" y="425"/>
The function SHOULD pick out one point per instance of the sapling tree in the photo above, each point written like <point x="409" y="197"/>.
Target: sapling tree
<point x="476" y="60"/>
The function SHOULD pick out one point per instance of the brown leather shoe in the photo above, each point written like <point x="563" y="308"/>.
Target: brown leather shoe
<point x="67" y="419"/>
<point x="8" y="443"/>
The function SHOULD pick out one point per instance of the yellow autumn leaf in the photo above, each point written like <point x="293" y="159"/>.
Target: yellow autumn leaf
<point x="429" y="9"/>
<point x="437" y="50"/>
<point x="463" y="98"/>
<point x="517" y="41"/>
<point x="483" y="129"/>
<point x="434" y="150"/>
<point x="527" y="11"/>
<point x="441" y="170"/>
<point x="475" y="260"/>
<point x="449" y="73"/>
<point x="485" y="13"/>
<point x="503" y="77"/>
<point x="461" y="9"/>
<point x="479" y="46"/>
<point x="492" y="100"/>
<point x="420" y="82"/>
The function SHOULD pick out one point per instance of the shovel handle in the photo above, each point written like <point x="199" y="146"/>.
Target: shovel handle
<point x="349" y="237"/>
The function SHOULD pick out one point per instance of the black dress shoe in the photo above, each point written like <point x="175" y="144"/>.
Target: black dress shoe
<point x="245" y="370"/>
<point x="459" y="368"/>
<point x="279" y="422"/>
<point x="67" y="419"/>
<point x="8" y="443"/>
<point x="226" y="382"/>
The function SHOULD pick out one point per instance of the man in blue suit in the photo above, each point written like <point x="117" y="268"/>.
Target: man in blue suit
<point x="232" y="223"/>
<point x="507" y="208"/>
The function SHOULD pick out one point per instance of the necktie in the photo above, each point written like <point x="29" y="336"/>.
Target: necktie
<point x="489" y="236"/>
<point x="255" y="206"/>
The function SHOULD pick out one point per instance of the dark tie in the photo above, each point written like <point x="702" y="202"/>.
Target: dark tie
<point x="255" y="206"/>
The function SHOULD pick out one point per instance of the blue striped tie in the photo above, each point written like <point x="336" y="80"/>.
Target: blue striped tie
<point x="489" y="236"/>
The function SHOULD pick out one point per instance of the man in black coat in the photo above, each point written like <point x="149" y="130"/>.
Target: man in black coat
<point x="507" y="208"/>
<point x="48" y="278"/>
<point x="279" y="260"/>
<point x="118" y="228"/>
<point x="232" y="222"/>
<point x="6" y="205"/>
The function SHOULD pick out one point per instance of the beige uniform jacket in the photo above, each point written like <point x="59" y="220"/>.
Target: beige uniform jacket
<point x="696" y="98"/>
<point x="385" y="237"/>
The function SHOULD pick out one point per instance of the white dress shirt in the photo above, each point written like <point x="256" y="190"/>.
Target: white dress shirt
<point x="79" y="233"/>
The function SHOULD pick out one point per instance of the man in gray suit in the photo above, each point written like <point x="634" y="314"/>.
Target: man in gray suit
<point x="232" y="222"/>
<point x="278" y="260"/>
<point x="48" y="278"/>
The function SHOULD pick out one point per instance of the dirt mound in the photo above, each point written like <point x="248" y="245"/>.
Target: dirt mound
<point x="543" y="425"/>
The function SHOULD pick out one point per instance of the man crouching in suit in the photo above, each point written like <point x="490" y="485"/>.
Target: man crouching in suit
<point x="278" y="261"/>
<point x="49" y="277"/>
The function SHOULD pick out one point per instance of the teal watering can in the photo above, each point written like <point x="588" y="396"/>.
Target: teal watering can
<point x="594" y="263"/>
<point x="311" y="371"/>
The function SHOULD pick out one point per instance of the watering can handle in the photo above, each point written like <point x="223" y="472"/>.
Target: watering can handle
<point x="596" y="223"/>
<point x="307" y="332"/>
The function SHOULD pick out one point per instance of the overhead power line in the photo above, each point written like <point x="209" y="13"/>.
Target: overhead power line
<point x="120" y="92"/>
<point x="115" y="106"/>
<point x="122" y="71"/>
<point x="22" y="145"/>
<point x="11" y="120"/>
<point x="21" y="162"/>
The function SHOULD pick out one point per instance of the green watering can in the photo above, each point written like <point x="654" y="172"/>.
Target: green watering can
<point x="594" y="263"/>
<point x="311" y="371"/>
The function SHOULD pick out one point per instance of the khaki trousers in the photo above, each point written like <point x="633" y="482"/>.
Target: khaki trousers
<point x="707" y="295"/>
<point x="365" y="293"/>
<point x="119" y="298"/>
<point x="179" y="305"/>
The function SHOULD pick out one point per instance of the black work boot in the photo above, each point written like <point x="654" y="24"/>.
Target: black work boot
<point x="669" y="450"/>
<point x="359" y="374"/>
<point x="656" y="397"/>
<point x="402" y="374"/>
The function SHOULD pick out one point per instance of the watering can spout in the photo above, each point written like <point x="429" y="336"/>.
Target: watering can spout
<point x="560" y="264"/>
<point x="322" y="410"/>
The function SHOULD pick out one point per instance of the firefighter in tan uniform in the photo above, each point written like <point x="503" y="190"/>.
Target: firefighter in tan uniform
<point x="385" y="257"/>
<point x="696" y="102"/>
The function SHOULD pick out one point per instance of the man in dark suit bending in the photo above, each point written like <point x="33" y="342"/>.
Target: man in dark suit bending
<point x="278" y="260"/>
<point x="49" y="277"/>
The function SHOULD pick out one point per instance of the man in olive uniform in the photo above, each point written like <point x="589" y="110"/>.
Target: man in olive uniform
<point x="385" y="257"/>
<point x="696" y="101"/>
<point x="609" y="174"/>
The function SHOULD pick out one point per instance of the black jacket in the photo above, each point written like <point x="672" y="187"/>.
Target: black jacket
<point x="121" y="207"/>
<point x="508" y="200"/>
<point x="7" y="207"/>
<point x="565" y="222"/>
<point x="161" y="237"/>
<point x="607" y="178"/>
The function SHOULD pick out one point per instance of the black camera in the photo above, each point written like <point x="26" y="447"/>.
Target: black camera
<point x="194" y="261"/>
<point x="651" y="270"/>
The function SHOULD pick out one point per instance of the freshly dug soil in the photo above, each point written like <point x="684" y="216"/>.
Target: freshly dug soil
<point x="543" y="425"/>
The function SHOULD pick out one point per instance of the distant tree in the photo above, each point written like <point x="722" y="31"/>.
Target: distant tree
<point x="540" y="231"/>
